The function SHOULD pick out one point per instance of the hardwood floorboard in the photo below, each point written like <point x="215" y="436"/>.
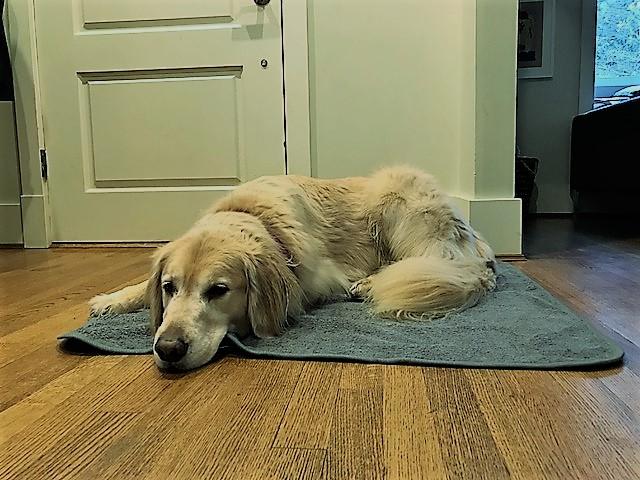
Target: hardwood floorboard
<point x="545" y="431"/>
<point x="356" y="449"/>
<point x="307" y="421"/>
<point x="361" y="376"/>
<point x="461" y="427"/>
<point x="165" y="428"/>
<point x="229" y="435"/>
<point x="33" y="371"/>
<point x="411" y="443"/>
<point x="118" y="417"/>
<point x="21" y="415"/>
<point x="290" y="463"/>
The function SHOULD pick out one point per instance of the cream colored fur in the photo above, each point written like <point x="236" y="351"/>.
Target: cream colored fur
<point x="282" y="244"/>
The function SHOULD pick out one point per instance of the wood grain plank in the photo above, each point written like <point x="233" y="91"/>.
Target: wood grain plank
<point x="40" y="330"/>
<point x="289" y="464"/>
<point x="611" y="421"/>
<point x="62" y="446"/>
<point x="168" y="425"/>
<point x="21" y="415"/>
<point x="468" y="446"/>
<point x="100" y="393"/>
<point x="356" y="449"/>
<point x="230" y="435"/>
<point x="411" y="444"/>
<point x="622" y="382"/>
<point x="64" y="294"/>
<point x="32" y="284"/>
<point x="41" y="333"/>
<point x="20" y="259"/>
<point x="603" y="294"/>
<point x="361" y="376"/>
<point x="307" y="421"/>
<point x="544" y="432"/>
<point x="211" y="414"/>
<point x="141" y="392"/>
<point x="35" y="370"/>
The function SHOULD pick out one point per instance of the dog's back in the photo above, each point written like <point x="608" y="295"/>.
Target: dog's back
<point x="393" y="237"/>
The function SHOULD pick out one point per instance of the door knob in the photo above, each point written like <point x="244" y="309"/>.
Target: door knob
<point x="261" y="3"/>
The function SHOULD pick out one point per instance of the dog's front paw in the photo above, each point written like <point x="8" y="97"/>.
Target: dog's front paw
<point x="361" y="288"/>
<point x="103" y="304"/>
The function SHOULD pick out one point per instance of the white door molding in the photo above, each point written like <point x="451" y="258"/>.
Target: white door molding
<point x="21" y="36"/>
<point x="295" y="43"/>
<point x="587" y="55"/>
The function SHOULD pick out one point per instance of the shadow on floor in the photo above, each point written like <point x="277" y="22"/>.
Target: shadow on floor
<point x="544" y="236"/>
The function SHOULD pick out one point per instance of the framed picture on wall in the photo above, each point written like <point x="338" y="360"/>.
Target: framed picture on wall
<point x="536" y="25"/>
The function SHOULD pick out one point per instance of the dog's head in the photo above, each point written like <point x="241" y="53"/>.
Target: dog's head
<point x="213" y="280"/>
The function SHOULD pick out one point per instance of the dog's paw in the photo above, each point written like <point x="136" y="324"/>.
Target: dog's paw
<point x="103" y="304"/>
<point x="361" y="288"/>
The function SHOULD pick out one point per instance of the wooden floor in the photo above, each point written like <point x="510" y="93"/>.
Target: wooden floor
<point x="117" y="417"/>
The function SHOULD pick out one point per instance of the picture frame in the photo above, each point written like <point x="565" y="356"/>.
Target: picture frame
<point x="536" y="38"/>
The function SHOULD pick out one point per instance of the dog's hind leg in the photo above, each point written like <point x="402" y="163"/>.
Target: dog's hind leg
<point x="129" y="299"/>
<point x="439" y="264"/>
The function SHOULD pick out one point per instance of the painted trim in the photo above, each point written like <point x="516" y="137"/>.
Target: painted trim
<point x="11" y="221"/>
<point x="499" y="220"/>
<point x="587" y="55"/>
<point x="10" y="217"/>
<point x="34" y="218"/>
<point x="495" y="100"/>
<point x="20" y="22"/>
<point x="548" y="43"/>
<point x="295" y="44"/>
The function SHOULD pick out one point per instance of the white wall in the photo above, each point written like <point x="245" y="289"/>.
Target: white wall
<point x="547" y="106"/>
<point x="390" y="83"/>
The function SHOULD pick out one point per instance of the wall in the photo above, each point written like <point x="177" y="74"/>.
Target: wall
<point x="547" y="106"/>
<point x="388" y="85"/>
<point x="428" y="83"/>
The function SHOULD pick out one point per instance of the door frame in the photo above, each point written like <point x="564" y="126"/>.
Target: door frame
<point x="587" y="55"/>
<point x="22" y="38"/>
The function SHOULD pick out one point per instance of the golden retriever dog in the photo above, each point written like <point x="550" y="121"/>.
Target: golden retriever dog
<point x="276" y="246"/>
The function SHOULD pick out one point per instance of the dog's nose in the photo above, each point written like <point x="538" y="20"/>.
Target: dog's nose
<point x="171" y="349"/>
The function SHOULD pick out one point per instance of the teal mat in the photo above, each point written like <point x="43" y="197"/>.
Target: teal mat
<point x="519" y="325"/>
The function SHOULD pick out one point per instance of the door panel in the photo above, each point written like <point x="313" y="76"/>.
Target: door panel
<point x="151" y="111"/>
<point x="103" y="14"/>
<point x="199" y="115"/>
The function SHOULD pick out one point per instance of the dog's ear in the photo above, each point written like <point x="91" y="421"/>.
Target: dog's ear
<point x="154" y="289"/>
<point x="273" y="293"/>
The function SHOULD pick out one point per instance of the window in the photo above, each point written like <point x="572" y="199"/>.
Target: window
<point x="617" y="51"/>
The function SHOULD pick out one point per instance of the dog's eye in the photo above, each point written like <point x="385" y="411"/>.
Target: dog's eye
<point x="216" y="291"/>
<point x="169" y="288"/>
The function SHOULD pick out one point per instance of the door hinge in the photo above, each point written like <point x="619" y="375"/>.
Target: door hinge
<point x="44" y="168"/>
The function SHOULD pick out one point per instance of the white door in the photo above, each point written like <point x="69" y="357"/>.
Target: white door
<point x="154" y="108"/>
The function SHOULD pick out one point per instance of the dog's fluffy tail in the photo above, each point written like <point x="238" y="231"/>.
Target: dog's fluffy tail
<point x="428" y="286"/>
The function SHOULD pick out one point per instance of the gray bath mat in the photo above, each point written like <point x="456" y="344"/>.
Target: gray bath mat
<point x="519" y="325"/>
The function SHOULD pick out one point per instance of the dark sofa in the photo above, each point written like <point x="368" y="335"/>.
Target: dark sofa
<point x="605" y="160"/>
